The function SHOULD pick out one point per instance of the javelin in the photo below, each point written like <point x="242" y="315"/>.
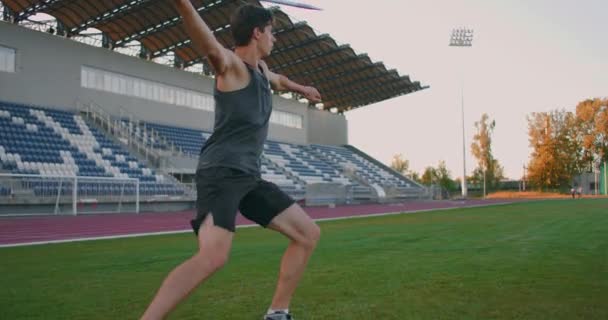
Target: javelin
<point x="294" y="4"/>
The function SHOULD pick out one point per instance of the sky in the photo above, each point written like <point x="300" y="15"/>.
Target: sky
<point x="527" y="56"/>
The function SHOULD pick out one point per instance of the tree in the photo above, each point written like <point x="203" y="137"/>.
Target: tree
<point x="493" y="175"/>
<point x="429" y="176"/>
<point x="439" y="176"/>
<point x="488" y="172"/>
<point x="400" y="164"/>
<point x="445" y="177"/>
<point x="557" y="148"/>
<point x="415" y="176"/>
<point x="592" y="120"/>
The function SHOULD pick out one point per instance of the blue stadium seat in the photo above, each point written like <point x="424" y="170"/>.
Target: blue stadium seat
<point x="42" y="141"/>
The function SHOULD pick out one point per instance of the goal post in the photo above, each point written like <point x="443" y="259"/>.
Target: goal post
<point x="28" y="194"/>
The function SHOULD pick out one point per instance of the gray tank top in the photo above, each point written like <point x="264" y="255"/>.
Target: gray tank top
<point x="241" y="126"/>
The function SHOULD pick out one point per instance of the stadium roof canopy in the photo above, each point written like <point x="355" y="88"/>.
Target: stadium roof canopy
<point x="345" y="79"/>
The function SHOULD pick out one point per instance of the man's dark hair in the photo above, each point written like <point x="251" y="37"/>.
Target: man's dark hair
<point x="245" y="20"/>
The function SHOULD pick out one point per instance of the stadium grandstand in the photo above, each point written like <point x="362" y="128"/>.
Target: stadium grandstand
<point x="105" y="105"/>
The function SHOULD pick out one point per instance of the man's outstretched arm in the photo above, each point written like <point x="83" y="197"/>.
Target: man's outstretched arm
<point x="280" y="82"/>
<point x="202" y="37"/>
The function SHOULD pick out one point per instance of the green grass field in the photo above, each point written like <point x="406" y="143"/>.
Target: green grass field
<point x="539" y="260"/>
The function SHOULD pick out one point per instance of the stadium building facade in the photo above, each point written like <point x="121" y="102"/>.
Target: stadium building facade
<point x="72" y="113"/>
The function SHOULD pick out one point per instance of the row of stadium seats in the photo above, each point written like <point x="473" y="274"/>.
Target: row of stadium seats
<point x="35" y="140"/>
<point x="371" y="172"/>
<point x="283" y="164"/>
<point x="189" y="141"/>
<point x="4" y="191"/>
<point x="302" y="165"/>
<point x="293" y="166"/>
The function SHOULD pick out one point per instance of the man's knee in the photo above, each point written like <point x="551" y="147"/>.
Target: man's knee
<point x="311" y="236"/>
<point x="211" y="261"/>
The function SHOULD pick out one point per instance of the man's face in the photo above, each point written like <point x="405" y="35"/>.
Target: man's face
<point x="266" y="40"/>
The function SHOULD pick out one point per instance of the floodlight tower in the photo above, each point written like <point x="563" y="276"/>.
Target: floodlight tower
<point x="462" y="37"/>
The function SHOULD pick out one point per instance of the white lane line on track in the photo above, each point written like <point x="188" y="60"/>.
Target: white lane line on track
<point x="133" y="235"/>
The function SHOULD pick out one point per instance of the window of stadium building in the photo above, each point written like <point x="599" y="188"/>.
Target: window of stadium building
<point x="97" y="79"/>
<point x="103" y="80"/>
<point x="286" y="119"/>
<point x="7" y="59"/>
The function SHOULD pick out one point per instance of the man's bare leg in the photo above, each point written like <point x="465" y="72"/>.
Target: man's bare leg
<point x="304" y="234"/>
<point x="214" y="247"/>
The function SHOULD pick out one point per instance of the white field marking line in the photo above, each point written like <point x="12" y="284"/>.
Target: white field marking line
<point x="133" y="235"/>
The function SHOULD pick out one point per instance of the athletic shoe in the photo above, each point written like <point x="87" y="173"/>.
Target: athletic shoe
<point x="278" y="315"/>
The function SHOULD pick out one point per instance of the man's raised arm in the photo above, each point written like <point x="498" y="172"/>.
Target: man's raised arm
<point x="202" y="37"/>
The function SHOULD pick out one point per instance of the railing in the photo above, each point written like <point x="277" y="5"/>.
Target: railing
<point x="147" y="133"/>
<point x="188" y="188"/>
<point x="133" y="133"/>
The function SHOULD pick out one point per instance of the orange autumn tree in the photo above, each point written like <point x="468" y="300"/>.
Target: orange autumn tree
<point x="557" y="148"/>
<point x="592" y="116"/>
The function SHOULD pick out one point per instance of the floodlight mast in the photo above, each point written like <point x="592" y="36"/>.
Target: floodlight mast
<point x="462" y="37"/>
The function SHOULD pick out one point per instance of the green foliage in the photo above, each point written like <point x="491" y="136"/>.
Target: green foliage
<point x="439" y="176"/>
<point x="402" y="165"/>
<point x="488" y="167"/>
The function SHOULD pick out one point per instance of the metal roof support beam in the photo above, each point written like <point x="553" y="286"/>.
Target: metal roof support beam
<point x="193" y="62"/>
<point x="332" y="64"/>
<point x="367" y="95"/>
<point x="144" y="53"/>
<point x="304" y="43"/>
<point x="167" y="24"/>
<point x="355" y="82"/>
<point x="197" y="60"/>
<point x="295" y="26"/>
<point x="120" y="11"/>
<point x="311" y="57"/>
<point x="217" y="32"/>
<point x="178" y="62"/>
<point x="106" y="41"/>
<point x="8" y="15"/>
<point x="207" y="70"/>
<point x="352" y="97"/>
<point x="61" y="29"/>
<point x="41" y="6"/>
<point x="364" y="98"/>
<point x="351" y="91"/>
<point x="173" y="47"/>
<point x="187" y="42"/>
<point x="337" y="76"/>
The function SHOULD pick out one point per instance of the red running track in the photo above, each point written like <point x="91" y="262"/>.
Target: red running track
<point x="42" y="229"/>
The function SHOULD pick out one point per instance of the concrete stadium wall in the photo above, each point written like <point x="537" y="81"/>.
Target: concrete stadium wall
<point x="48" y="70"/>
<point x="327" y="128"/>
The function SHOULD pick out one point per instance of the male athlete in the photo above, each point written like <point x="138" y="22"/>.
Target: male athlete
<point x="228" y="174"/>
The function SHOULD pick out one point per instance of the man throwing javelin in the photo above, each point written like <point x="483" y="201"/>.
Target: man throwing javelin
<point x="228" y="174"/>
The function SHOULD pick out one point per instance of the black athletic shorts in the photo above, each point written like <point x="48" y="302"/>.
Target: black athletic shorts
<point x="222" y="191"/>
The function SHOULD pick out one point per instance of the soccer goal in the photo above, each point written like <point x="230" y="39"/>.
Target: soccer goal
<point x="25" y="194"/>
